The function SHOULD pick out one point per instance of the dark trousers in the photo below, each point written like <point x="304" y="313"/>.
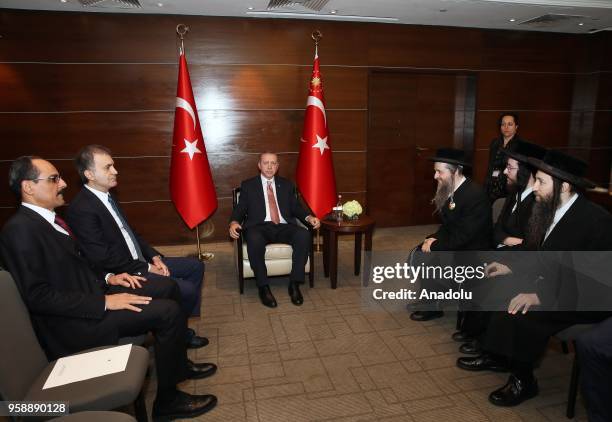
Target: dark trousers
<point x="188" y="273"/>
<point x="595" y="355"/>
<point x="260" y="235"/>
<point x="524" y="337"/>
<point x="165" y="319"/>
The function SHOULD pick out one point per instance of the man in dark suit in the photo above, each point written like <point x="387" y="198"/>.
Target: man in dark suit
<point x="594" y="350"/>
<point x="464" y="209"/>
<point x="562" y="220"/>
<point x="267" y="211"/>
<point x="109" y="243"/>
<point x="74" y="308"/>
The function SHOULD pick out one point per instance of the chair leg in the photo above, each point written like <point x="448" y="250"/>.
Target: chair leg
<point x="241" y="281"/>
<point x="459" y="322"/>
<point x="573" y="389"/>
<point x="312" y="270"/>
<point x="140" y="409"/>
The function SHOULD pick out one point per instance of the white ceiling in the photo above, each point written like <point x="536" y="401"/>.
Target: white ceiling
<point x="583" y="16"/>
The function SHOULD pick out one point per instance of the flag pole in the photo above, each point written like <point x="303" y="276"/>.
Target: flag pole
<point x="182" y="30"/>
<point x="316" y="36"/>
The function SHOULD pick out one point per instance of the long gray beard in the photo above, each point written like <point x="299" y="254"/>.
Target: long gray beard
<point x="442" y="193"/>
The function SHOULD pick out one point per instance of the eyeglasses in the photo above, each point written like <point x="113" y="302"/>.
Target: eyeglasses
<point x="55" y="178"/>
<point x="510" y="168"/>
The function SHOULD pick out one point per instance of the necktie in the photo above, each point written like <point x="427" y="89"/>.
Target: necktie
<point x="60" y="222"/>
<point x="127" y="228"/>
<point x="272" y="203"/>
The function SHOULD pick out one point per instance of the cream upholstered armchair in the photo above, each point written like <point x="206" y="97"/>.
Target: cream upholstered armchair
<point x="277" y="257"/>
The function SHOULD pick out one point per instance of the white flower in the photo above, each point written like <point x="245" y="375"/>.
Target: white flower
<point x="352" y="208"/>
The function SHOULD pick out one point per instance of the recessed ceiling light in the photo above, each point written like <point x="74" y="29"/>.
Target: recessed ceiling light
<point x="512" y="20"/>
<point x="250" y="7"/>
<point x="64" y="1"/>
<point x="333" y="11"/>
<point x="580" y="24"/>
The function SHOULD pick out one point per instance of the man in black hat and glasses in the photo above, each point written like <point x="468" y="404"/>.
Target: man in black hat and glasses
<point x="465" y="212"/>
<point x="562" y="221"/>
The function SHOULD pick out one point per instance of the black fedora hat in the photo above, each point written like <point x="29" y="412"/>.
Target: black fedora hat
<point x="450" y="156"/>
<point x="565" y="167"/>
<point x="522" y="150"/>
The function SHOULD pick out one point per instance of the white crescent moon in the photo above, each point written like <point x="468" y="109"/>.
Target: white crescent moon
<point x="182" y="103"/>
<point x="315" y="102"/>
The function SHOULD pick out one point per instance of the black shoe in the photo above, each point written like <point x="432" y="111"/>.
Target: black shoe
<point x="461" y="337"/>
<point x="197" y="342"/>
<point x="266" y="297"/>
<point x="425" y="315"/>
<point x="295" y="294"/>
<point x="470" y="348"/>
<point x="484" y="362"/>
<point x="200" y="370"/>
<point x="514" y="392"/>
<point x="183" y="406"/>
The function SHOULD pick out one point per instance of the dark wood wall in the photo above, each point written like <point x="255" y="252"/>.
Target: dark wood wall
<point x="70" y="79"/>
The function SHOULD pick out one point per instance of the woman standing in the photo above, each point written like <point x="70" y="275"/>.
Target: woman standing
<point x="495" y="182"/>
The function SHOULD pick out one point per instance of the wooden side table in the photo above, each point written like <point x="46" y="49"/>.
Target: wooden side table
<point x="331" y="230"/>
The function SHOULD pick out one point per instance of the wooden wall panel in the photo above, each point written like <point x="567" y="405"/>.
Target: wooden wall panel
<point x="111" y="79"/>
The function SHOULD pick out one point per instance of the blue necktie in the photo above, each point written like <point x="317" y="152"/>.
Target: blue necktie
<point x="127" y="228"/>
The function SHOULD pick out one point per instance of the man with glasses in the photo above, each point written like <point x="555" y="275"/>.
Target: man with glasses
<point x="109" y="243"/>
<point x="74" y="308"/>
<point x="267" y="211"/>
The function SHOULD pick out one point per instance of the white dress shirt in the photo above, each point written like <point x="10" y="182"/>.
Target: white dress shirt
<point x="559" y="215"/>
<point x="264" y="183"/>
<point x="524" y="195"/>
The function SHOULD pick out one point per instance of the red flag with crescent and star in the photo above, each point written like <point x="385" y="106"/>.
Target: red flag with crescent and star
<point x="191" y="185"/>
<point x="315" y="169"/>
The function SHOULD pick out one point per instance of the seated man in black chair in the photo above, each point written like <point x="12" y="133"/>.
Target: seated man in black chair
<point x="267" y="211"/>
<point x="465" y="212"/>
<point x="74" y="308"/>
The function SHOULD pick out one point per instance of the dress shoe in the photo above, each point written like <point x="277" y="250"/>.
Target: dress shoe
<point x="425" y="315"/>
<point x="196" y="342"/>
<point x="295" y="294"/>
<point x="461" y="337"/>
<point x="266" y="297"/>
<point x="514" y="392"/>
<point x="183" y="406"/>
<point x="484" y="362"/>
<point x="470" y="348"/>
<point x="200" y="370"/>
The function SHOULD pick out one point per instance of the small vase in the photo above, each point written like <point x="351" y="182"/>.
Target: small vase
<point x="353" y="217"/>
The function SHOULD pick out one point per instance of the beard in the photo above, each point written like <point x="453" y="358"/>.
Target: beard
<point x="542" y="216"/>
<point x="511" y="187"/>
<point x="442" y="194"/>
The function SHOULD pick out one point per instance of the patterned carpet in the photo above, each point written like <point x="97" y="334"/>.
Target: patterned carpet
<point x="333" y="359"/>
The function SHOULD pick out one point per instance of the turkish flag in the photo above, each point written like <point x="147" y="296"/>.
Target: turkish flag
<point x="191" y="185"/>
<point x="315" y="169"/>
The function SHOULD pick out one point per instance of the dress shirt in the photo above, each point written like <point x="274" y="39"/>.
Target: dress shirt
<point x="47" y="215"/>
<point x="264" y="183"/>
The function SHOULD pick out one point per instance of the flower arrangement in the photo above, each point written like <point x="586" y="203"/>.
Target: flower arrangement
<point x="352" y="209"/>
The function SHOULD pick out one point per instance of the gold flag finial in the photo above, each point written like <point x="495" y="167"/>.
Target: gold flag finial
<point x="316" y="36"/>
<point x="182" y="30"/>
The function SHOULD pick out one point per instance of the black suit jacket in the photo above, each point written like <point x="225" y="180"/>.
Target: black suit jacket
<point x="468" y="226"/>
<point x="584" y="227"/>
<point x="251" y="207"/>
<point x="100" y="237"/>
<point x="513" y="224"/>
<point x="64" y="296"/>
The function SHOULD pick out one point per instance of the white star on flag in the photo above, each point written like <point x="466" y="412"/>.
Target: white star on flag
<point x="321" y="144"/>
<point x="191" y="148"/>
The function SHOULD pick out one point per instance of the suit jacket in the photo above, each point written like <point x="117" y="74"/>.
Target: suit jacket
<point x="100" y="237"/>
<point x="468" y="226"/>
<point x="584" y="227"/>
<point x="513" y="224"/>
<point x="251" y="207"/>
<point x="64" y="296"/>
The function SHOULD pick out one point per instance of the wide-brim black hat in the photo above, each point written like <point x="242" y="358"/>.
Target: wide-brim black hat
<point x="450" y="156"/>
<point x="522" y="150"/>
<point x="565" y="167"/>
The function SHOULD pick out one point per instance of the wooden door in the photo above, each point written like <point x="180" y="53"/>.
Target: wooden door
<point x="410" y="116"/>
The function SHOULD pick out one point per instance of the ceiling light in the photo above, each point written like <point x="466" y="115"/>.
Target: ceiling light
<point x="580" y="24"/>
<point x="250" y="7"/>
<point x="333" y="11"/>
<point x="160" y="5"/>
<point x="512" y="20"/>
<point x="64" y="1"/>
